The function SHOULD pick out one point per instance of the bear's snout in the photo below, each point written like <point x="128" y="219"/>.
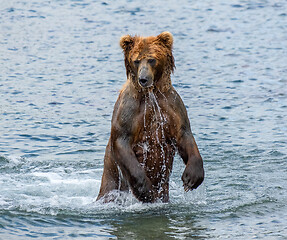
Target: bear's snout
<point x="145" y="77"/>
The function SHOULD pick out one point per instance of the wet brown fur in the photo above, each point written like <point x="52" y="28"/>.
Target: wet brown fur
<point x="148" y="126"/>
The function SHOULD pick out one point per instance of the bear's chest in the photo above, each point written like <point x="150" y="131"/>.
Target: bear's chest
<point x="153" y="143"/>
<point x="152" y="126"/>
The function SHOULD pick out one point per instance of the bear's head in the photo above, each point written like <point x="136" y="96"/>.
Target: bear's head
<point x="148" y="60"/>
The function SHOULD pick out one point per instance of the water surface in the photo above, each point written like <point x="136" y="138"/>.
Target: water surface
<point x="61" y="70"/>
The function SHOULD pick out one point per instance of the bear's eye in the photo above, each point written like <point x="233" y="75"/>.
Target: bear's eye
<point x="152" y="61"/>
<point x="136" y="62"/>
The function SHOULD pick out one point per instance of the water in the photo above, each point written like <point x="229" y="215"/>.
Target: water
<point x="61" y="70"/>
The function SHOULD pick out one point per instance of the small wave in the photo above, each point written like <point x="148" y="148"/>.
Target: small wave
<point x="11" y="161"/>
<point x="249" y="206"/>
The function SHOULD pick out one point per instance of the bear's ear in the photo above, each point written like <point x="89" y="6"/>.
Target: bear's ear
<point x="166" y="38"/>
<point x="126" y="42"/>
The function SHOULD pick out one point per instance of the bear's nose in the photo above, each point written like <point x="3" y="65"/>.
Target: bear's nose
<point x="143" y="81"/>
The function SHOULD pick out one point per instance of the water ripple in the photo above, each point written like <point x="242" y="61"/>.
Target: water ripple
<point x="61" y="71"/>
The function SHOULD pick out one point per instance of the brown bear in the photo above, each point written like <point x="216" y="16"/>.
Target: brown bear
<point x="149" y="125"/>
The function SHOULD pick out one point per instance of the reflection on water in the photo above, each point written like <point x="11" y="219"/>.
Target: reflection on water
<point x="160" y="227"/>
<point x="161" y="223"/>
<point x="61" y="70"/>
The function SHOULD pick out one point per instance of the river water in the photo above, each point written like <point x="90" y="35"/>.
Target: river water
<point x="61" y="68"/>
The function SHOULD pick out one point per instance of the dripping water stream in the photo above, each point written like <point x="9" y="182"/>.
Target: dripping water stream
<point x="160" y="138"/>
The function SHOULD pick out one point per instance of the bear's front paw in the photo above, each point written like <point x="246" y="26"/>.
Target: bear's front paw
<point x="192" y="177"/>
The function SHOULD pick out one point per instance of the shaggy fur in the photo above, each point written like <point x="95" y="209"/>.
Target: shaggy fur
<point x="149" y="125"/>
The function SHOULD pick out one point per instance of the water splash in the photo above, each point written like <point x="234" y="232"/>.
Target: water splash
<point x="145" y="145"/>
